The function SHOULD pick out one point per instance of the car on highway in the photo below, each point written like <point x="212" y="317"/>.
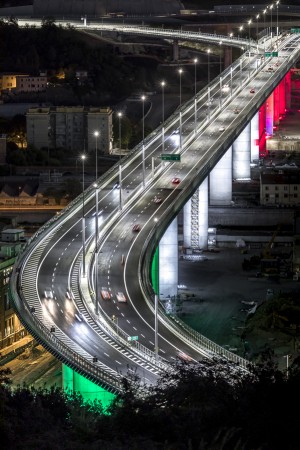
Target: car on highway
<point x="252" y="91"/>
<point x="175" y="180"/>
<point x="116" y="186"/>
<point x="184" y="357"/>
<point x="157" y="199"/>
<point x="121" y="297"/>
<point x="136" y="227"/>
<point x="225" y="88"/>
<point x="69" y="294"/>
<point x="222" y="129"/>
<point x="105" y="294"/>
<point x="79" y="317"/>
<point x="236" y="110"/>
<point x="48" y="294"/>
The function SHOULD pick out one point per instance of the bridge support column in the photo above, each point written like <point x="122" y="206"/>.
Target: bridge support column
<point x="254" y="124"/>
<point x="241" y="153"/>
<point x="276" y="96"/>
<point x="262" y="130"/>
<point x="227" y="57"/>
<point x="73" y="382"/>
<point x="282" y="97"/>
<point x="220" y="181"/>
<point x="175" y="51"/>
<point x="168" y="261"/>
<point x="270" y="115"/>
<point x="195" y="219"/>
<point x="288" y="88"/>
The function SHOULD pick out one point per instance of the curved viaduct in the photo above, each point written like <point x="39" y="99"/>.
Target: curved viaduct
<point x="80" y="328"/>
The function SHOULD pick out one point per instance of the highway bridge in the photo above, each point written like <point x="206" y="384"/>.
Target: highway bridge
<point x="76" y="311"/>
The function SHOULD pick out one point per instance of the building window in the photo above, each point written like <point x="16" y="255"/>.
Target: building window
<point x="285" y="188"/>
<point x="266" y="188"/>
<point x="285" y="195"/>
<point x="276" y="188"/>
<point x="295" y="188"/>
<point x="267" y="197"/>
<point x="295" y="195"/>
<point x="276" y="195"/>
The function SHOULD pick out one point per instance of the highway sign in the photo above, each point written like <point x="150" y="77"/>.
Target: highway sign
<point x="132" y="338"/>
<point x="269" y="54"/>
<point x="169" y="157"/>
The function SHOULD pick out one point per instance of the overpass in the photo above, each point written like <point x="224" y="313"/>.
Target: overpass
<point x="54" y="281"/>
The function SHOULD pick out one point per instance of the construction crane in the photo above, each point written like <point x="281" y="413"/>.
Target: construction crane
<point x="270" y="265"/>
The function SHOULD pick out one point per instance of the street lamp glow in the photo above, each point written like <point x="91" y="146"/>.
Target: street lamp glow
<point x="83" y="158"/>
<point x="208" y="66"/>
<point x="143" y="98"/>
<point x="120" y="114"/>
<point x="180" y="118"/>
<point x="95" y="185"/>
<point x="96" y="134"/>
<point x="220" y="43"/>
<point x="163" y="83"/>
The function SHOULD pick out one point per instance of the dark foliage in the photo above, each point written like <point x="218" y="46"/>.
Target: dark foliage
<point x="212" y="405"/>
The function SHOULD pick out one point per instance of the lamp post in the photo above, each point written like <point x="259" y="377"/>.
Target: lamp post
<point x="96" y="250"/>
<point x="220" y="43"/>
<point x="83" y="158"/>
<point x="249" y="23"/>
<point x="115" y="320"/>
<point x="96" y="134"/>
<point x="180" y="118"/>
<point x="241" y="28"/>
<point x="163" y="83"/>
<point x="195" y="63"/>
<point x="208" y="67"/>
<point x="257" y="17"/>
<point x="271" y="8"/>
<point x="143" y="98"/>
<point x="264" y="13"/>
<point x="120" y="140"/>
<point x="277" y="30"/>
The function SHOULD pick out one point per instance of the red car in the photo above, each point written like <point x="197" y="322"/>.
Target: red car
<point x="136" y="227"/>
<point x="175" y="180"/>
<point x="105" y="294"/>
<point x="252" y="91"/>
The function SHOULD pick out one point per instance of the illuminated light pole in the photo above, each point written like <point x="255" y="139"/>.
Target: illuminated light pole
<point x="180" y="118"/>
<point x="230" y="35"/>
<point x="83" y="158"/>
<point x="257" y="17"/>
<point x="220" y="43"/>
<point x="96" y="134"/>
<point x="120" y="140"/>
<point x="96" y="250"/>
<point x="249" y="23"/>
<point x="195" y="62"/>
<point x="271" y="8"/>
<point x="208" y="66"/>
<point x="264" y="13"/>
<point x="143" y="98"/>
<point x="277" y="30"/>
<point x="241" y="28"/>
<point x="163" y="83"/>
<point x="156" y="327"/>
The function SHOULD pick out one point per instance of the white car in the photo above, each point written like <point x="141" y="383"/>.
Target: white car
<point x="222" y="129"/>
<point x="121" y="297"/>
<point x="105" y="294"/>
<point x="48" y="294"/>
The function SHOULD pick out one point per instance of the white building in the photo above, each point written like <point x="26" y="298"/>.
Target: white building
<point x="71" y="127"/>
<point x="280" y="188"/>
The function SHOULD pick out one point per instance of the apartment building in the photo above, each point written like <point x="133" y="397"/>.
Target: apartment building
<point x="23" y="82"/>
<point x="280" y="188"/>
<point x="71" y="127"/>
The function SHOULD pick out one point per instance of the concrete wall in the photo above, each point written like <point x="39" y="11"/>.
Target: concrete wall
<point x="248" y="217"/>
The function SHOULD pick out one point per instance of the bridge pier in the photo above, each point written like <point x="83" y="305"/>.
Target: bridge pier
<point x="195" y="219"/>
<point x="220" y="181"/>
<point x="270" y="115"/>
<point x="168" y="261"/>
<point x="254" y="124"/>
<point x="241" y="153"/>
<point x="175" y="51"/>
<point x="74" y="382"/>
<point x="288" y="89"/>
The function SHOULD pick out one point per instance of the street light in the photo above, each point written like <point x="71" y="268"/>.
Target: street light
<point x="208" y="68"/>
<point x="249" y="23"/>
<point x="264" y="13"/>
<point x="83" y="158"/>
<point x="120" y="140"/>
<point x="143" y="98"/>
<point x="96" y="134"/>
<point x="257" y="17"/>
<point x="220" y="43"/>
<point x="195" y="62"/>
<point x="277" y="30"/>
<point x="163" y="83"/>
<point x="96" y="250"/>
<point x="180" y="118"/>
<point x="271" y="8"/>
<point x="116" y="321"/>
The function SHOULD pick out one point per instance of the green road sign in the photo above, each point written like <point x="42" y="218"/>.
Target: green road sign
<point x="169" y="157"/>
<point x="268" y="54"/>
<point x="274" y="53"/>
<point x="132" y="338"/>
